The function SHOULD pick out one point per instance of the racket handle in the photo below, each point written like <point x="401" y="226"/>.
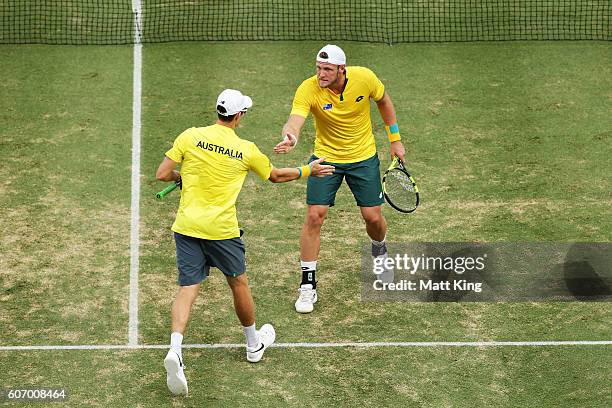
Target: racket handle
<point x="166" y="191"/>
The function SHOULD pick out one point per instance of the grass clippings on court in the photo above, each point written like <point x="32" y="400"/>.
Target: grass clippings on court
<point x="508" y="142"/>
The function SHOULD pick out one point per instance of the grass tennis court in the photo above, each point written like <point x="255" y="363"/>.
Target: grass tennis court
<point x="508" y="141"/>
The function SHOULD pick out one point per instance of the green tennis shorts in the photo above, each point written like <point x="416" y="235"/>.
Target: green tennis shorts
<point x="363" y="178"/>
<point x="195" y="257"/>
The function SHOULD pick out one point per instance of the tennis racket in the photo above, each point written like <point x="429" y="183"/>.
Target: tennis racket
<point x="168" y="190"/>
<point x="399" y="188"/>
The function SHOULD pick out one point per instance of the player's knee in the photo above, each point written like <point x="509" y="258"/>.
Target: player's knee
<point x="237" y="282"/>
<point x="188" y="293"/>
<point x="373" y="217"/>
<point x="314" y="219"/>
<point x="189" y="290"/>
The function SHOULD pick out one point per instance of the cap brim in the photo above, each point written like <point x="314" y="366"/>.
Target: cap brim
<point x="331" y="61"/>
<point x="248" y="102"/>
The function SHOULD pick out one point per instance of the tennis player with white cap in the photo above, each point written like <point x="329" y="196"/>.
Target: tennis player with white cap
<point x="338" y="97"/>
<point x="214" y="163"/>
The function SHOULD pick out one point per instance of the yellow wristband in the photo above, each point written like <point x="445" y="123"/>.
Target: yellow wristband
<point x="305" y="171"/>
<point x="393" y="133"/>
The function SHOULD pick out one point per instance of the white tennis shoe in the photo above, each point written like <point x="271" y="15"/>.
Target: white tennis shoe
<point x="379" y="256"/>
<point x="388" y="273"/>
<point x="175" y="377"/>
<point x="267" y="335"/>
<point x="306" y="299"/>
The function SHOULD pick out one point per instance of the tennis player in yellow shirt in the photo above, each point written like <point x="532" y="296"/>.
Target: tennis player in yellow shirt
<point x="339" y="99"/>
<point x="214" y="163"/>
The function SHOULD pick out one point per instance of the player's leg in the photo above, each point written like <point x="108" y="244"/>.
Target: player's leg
<point x="310" y="243"/>
<point x="181" y="308"/>
<point x="363" y="178"/>
<point x="257" y="340"/>
<point x="320" y="195"/>
<point x="376" y="225"/>
<point x="310" y="238"/>
<point x="192" y="270"/>
<point x="243" y="300"/>
<point x="192" y="267"/>
<point x="229" y="256"/>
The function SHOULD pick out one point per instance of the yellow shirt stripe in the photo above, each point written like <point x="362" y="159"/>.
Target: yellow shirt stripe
<point x="343" y="128"/>
<point x="215" y="162"/>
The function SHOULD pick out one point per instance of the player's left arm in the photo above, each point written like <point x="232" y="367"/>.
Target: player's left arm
<point x="312" y="169"/>
<point x="260" y="164"/>
<point x="387" y="112"/>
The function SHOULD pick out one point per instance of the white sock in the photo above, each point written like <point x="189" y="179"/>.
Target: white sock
<point x="379" y="243"/>
<point x="251" y="335"/>
<point x="309" y="268"/>
<point x="176" y="339"/>
<point x="378" y="247"/>
<point x="309" y="265"/>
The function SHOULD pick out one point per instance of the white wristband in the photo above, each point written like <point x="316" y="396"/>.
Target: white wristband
<point x="289" y="136"/>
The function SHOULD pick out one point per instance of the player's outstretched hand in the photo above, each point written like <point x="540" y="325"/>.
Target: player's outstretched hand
<point x="321" y="170"/>
<point x="286" y="145"/>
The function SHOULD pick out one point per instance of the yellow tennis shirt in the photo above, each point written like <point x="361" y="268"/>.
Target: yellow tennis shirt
<point x="215" y="162"/>
<point x="343" y="127"/>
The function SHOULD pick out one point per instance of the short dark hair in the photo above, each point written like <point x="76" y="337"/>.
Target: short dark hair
<point x="224" y="118"/>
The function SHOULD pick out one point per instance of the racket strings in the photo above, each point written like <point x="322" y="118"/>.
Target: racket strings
<point x="400" y="189"/>
<point x="403" y="180"/>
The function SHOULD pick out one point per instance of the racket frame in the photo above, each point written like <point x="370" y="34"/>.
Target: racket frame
<point x="397" y="164"/>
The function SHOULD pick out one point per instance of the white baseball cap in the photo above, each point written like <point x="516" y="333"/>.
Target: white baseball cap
<point x="331" y="54"/>
<point x="231" y="101"/>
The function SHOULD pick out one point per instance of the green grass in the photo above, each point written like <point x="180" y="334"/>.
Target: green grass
<point x="394" y="377"/>
<point x="508" y="142"/>
<point x="65" y="194"/>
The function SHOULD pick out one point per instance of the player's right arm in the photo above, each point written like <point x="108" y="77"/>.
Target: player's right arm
<point x="291" y="134"/>
<point x="299" y="112"/>
<point x="166" y="170"/>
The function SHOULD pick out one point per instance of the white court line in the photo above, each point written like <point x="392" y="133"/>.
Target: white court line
<point x="135" y="205"/>
<point x="407" y="344"/>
